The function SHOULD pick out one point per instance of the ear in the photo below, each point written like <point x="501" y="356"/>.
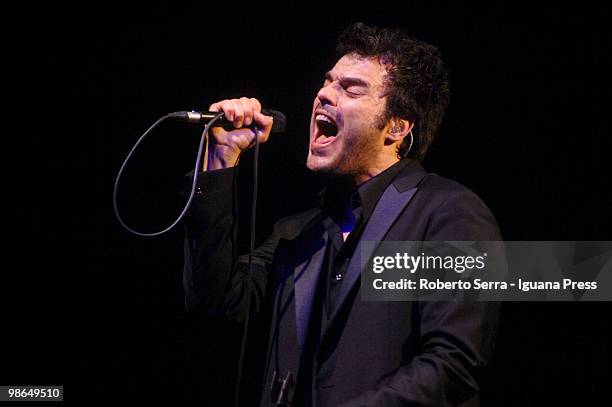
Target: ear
<point x="397" y="129"/>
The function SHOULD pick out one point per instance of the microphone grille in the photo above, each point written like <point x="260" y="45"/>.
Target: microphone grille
<point x="280" y="121"/>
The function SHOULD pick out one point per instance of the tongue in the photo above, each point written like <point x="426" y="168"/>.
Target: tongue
<point x="322" y="139"/>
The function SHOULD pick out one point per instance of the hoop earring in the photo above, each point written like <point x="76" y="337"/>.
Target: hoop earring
<point x="410" y="146"/>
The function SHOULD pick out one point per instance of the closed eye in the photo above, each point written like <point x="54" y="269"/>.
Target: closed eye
<point x="354" y="86"/>
<point x="354" y="91"/>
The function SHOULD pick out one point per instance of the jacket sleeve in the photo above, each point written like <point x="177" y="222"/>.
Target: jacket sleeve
<point x="215" y="278"/>
<point x="456" y="338"/>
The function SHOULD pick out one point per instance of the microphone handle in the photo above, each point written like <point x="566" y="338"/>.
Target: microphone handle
<point x="279" y="125"/>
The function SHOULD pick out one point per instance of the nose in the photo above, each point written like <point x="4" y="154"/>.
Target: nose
<point x="327" y="95"/>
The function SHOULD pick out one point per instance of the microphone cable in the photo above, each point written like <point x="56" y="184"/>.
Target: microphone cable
<point x="245" y="329"/>
<point x="203" y="143"/>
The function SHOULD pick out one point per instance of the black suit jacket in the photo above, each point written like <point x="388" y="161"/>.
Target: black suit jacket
<point x="371" y="353"/>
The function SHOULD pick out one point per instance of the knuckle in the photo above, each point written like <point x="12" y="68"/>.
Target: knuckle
<point x="247" y="104"/>
<point x="256" y="105"/>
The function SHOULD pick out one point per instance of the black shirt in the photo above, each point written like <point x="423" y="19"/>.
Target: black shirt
<point x="346" y="210"/>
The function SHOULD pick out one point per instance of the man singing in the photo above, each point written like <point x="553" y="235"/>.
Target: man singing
<point x="372" y="122"/>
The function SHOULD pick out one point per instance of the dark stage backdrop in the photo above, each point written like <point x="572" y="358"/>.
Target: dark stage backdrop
<point x="91" y="307"/>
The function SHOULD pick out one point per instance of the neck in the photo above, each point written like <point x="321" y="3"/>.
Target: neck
<point x="375" y="169"/>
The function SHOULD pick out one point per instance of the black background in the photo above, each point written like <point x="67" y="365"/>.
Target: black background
<point x="91" y="307"/>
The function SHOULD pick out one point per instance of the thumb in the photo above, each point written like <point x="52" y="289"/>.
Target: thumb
<point x="264" y="124"/>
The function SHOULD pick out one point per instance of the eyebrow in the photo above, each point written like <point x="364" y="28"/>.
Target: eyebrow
<point x="348" y="80"/>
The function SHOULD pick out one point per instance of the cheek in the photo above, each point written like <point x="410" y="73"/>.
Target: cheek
<point x="358" y="113"/>
<point x="356" y="123"/>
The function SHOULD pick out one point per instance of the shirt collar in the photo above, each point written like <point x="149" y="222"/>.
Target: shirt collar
<point x="366" y="195"/>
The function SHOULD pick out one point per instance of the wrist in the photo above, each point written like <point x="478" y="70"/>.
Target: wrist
<point x="221" y="156"/>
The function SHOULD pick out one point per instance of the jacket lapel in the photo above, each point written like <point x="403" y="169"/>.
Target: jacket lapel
<point x="306" y="276"/>
<point x="391" y="204"/>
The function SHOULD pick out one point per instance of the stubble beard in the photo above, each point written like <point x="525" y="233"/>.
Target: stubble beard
<point x="353" y="165"/>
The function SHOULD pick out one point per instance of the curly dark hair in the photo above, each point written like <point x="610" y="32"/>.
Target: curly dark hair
<point x="417" y="84"/>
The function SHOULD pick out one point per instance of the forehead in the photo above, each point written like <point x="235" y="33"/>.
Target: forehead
<point x="354" y="65"/>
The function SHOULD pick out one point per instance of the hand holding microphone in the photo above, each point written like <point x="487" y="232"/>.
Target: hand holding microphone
<point x="226" y="145"/>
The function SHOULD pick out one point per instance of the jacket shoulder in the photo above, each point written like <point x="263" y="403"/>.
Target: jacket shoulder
<point x="444" y="190"/>
<point x="456" y="212"/>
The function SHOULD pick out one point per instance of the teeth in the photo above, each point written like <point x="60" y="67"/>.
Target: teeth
<point x="323" y="118"/>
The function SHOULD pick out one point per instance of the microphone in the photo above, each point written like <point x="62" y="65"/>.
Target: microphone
<point x="278" y="126"/>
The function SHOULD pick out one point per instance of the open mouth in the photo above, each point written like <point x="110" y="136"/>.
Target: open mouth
<point x="327" y="130"/>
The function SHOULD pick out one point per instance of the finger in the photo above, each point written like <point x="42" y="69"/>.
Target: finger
<point x="225" y="106"/>
<point x="256" y="105"/>
<point x="238" y="118"/>
<point x="248" y="110"/>
<point x="264" y="125"/>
